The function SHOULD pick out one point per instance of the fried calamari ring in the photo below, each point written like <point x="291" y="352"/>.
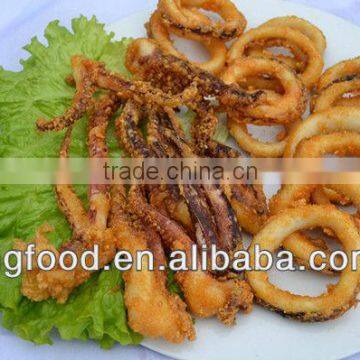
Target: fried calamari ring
<point x="324" y="122"/>
<point x="302" y="246"/>
<point x="323" y="195"/>
<point x="318" y="132"/>
<point x="160" y="31"/>
<point x="348" y="101"/>
<point x="281" y="36"/>
<point x="329" y="96"/>
<point x="296" y="62"/>
<point x="344" y="143"/>
<point x="340" y="297"/>
<point x="305" y="27"/>
<point x="255" y="147"/>
<point x="343" y="71"/>
<point x="337" y="143"/>
<point x="289" y="107"/>
<point x="174" y="12"/>
<point x="295" y="195"/>
<point x="263" y="82"/>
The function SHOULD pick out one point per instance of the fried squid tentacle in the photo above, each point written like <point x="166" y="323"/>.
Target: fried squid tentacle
<point x="248" y="201"/>
<point x="90" y="76"/>
<point x="151" y="309"/>
<point x="85" y="89"/>
<point x="69" y="203"/>
<point x="128" y="133"/>
<point x="99" y="194"/>
<point x="88" y="230"/>
<point x="205" y="295"/>
<point x="216" y="223"/>
<point x="165" y="197"/>
<point x="173" y="75"/>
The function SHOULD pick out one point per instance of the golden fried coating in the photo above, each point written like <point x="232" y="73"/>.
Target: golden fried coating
<point x="205" y="295"/>
<point x="152" y="310"/>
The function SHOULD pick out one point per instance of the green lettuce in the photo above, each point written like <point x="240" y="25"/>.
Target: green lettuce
<point x="95" y="310"/>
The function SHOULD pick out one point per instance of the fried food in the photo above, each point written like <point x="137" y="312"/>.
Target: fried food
<point x="207" y="203"/>
<point x="324" y="122"/>
<point x="300" y="245"/>
<point x="255" y="147"/>
<point x="305" y="27"/>
<point x="92" y="75"/>
<point x="151" y="309"/>
<point x="89" y="229"/>
<point x="82" y="101"/>
<point x="260" y="86"/>
<point x="215" y="222"/>
<point x="343" y="71"/>
<point x="340" y="297"/>
<point x="160" y="31"/>
<point x="172" y="75"/>
<point x="281" y="36"/>
<point x="338" y="86"/>
<point x="180" y="14"/>
<point x="205" y="295"/>
<point x="339" y="93"/>
<point x="341" y="143"/>
<point x="293" y="196"/>
<point x="249" y="205"/>
<point x="275" y="109"/>
<point x="323" y="196"/>
<point x="167" y="196"/>
<point x="296" y="60"/>
<point x="247" y="201"/>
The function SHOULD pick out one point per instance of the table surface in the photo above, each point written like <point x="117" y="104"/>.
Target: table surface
<point x="22" y="19"/>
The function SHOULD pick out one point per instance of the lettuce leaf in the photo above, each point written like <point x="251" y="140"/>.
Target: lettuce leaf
<point x="95" y="310"/>
<point x="97" y="307"/>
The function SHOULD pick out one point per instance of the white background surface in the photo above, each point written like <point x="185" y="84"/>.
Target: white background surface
<point x="22" y="19"/>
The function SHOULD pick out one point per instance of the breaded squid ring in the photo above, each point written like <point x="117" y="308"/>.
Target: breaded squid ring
<point x="283" y="35"/>
<point x="340" y="143"/>
<point x="324" y="122"/>
<point x="255" y="147"/>
<point x="289" y="107"/>
<point x="305" y="27"/>
<point x="234" y="21"/>
<point x="348" y="101"/>
<point x="322" y="196"/>
<point x="342" y="71"/>
<point x="329" y="96"/>
<point x="160" y="31"/>
<point x="340" y="297"/>
<point x="295" y="195"/>
<point x="296" y="62"/>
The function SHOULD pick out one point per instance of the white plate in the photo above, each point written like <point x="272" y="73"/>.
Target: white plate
<point x="262" y="334"/>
